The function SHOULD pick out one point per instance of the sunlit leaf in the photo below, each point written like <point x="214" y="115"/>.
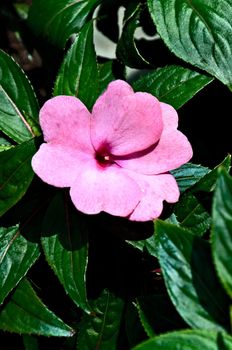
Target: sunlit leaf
<point x="18" y="104"/>
<point x="198" y="31"/>
<point x="78" y="69"/>
<point x="17" y="255"/>
<point x="26" y="314"/>
<point x="174" y="85"/>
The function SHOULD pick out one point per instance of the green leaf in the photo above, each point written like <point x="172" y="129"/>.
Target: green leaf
<point x="100" y="329"/>
<point x="197" y="31"/>
<point x="78" y="69"/>
<point x="18" y="104"/>
<point x="127" y="51"/>
<point x="190" y="278"/>
<point x="158" y="315"/>
<point x="133" y="327"/>
<point x="174" y="85"/>
<point x="65" y="246"/>
<point x="188" y="340"/>
<point x="192" y="215"/>
<point x="57" y="20"/>
<point x="222" y="229"/>
<point x="17" y="255"/>
<point x="30" y="342"/>
<point x="105" y="74"/>
<point x="208" y="182"/>
<point x="188" y="174"/>
<point x="26" y="314"/>
<point x="15" y="174"/>
<point x="144" y="245"/>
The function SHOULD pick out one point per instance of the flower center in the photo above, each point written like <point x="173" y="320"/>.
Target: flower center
<point x="103" y="157"/>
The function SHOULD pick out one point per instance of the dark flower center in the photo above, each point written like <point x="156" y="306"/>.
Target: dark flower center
<point x="103" y="157"/>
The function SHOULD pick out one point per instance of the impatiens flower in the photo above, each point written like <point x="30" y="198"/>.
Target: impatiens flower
<point x="116" y="159"/>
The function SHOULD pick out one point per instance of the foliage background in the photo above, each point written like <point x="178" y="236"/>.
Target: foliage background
<point x="72" y="281"/>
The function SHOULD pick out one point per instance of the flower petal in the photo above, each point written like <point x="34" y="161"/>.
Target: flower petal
<point x="57" y="165"/>
<point x="156" y="189"/>
<point x="66" y="120"/>
<point x="125" y="121"/>
<point x="172" y="151"/>
<point x="107" y="189"/>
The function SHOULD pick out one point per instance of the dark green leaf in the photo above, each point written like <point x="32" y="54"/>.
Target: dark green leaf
<point x="174" y="85"/>
<point x="105" y="74"/>
<point x="57" y="20"/>
<point x="78" y="75"/>
<point x="189" y="174"/>
<point x="197" y="31"/>
<point x="133" y="327"/>
<point x="99" y="330"/>
<point x="222" y="229"/>
<point x="158" y="315"/>
<point x="144" y="245"/>
<point x="188" y="340"/>
<point x="30" y="342"/>
<point x="192" y="215"/>
<point x="207" y="183"/>
<point x="4" y="144"/>
<point x="17" y="255"/>
<point x="18" y="104"/>
<point x="190" y="278"/>
<point x="65" y="246"/>
<point x="26" y="314"/>
<point x="126" y="51"/>
<point x="15" y="174"/>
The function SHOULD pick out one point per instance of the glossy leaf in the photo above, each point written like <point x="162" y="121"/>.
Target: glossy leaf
<point x="127" y="51"/>
<point x="174" y="85"/>
<point x="26" y="314"/>
<point x="17" y="255"/>
<point x="199" y="32"/>
<point x="100" y="329"/>
<point x="57" y="20"/>
<point x="194" y="290"/>
<point x="222" y="229"/>
<point x="192" y="214"/>
<point x="208" y="182"/>
<point x="145" y="245"/>
<point x="188" y="174"/>
<point x="18" y="104"/>
<point x="105" y="74"/>
<point x="188" y="340"/>
<point x="65" y="246"/>
<point x="15" y="174"/>
<point x="78" y="69"/>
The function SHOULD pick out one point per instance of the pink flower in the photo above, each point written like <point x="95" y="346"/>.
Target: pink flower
<point x="117" y="158"/>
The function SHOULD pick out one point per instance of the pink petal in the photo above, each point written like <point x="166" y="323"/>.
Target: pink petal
<point x="172" y="151"/>
<point x="156" y="189"/>
<point x="66" y="120"/>
<point x="57" y="165"/>
<point x="106" y="189"/>
<point x="125" y="121"/>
